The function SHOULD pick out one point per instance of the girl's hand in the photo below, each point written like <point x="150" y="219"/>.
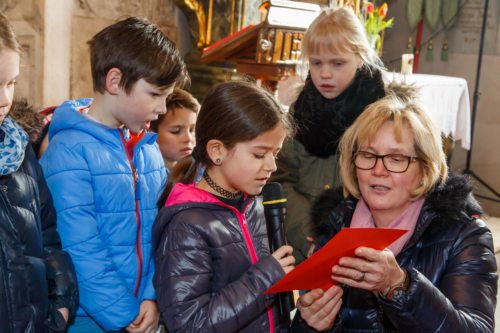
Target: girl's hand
<point x="319" y="309"/>
<point x="65" y="313"/>
<point x="370" y="270"/>
<point x="285" y="258"/>
<point x="310" y="240"/>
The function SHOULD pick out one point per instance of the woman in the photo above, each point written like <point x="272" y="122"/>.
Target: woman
<point x="440" y="276"/>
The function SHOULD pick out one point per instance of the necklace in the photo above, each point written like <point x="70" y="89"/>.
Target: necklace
<point x="225" y="193"/>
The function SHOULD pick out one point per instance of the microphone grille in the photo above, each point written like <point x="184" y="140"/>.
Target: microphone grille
<point x="272" y="191"/>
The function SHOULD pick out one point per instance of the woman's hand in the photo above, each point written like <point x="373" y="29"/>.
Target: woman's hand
<point x="285" y="258"/>
<point x="319" y="309"/>
<point x="370" y="270"/>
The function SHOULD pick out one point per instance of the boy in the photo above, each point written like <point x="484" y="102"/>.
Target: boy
<point x="176" y="128"/>
<point x="106" y="173"/>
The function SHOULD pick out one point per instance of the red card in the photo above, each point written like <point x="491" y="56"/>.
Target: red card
<point x="316" y="271"/>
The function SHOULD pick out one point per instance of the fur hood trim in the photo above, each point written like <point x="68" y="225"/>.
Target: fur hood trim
<point x="27" y="117"/>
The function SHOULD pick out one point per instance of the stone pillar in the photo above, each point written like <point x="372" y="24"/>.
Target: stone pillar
<point x="57" y="51"/>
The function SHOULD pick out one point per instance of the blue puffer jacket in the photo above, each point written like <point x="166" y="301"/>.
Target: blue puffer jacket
<point x="105" y="217"/>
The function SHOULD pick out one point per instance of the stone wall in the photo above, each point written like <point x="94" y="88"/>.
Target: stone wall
<point x="51" y="74"/>
<point x="26" y="17"/>
<point x="54" y="33"/>
<point x="90" y="16"/>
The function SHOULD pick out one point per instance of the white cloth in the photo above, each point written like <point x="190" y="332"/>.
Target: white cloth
<point x="446" y="99"/>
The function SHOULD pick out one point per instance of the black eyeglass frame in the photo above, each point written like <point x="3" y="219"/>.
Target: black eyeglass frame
<point x="410" y="159"/>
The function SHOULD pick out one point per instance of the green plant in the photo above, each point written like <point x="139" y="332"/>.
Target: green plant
<point x="375" y="22"/>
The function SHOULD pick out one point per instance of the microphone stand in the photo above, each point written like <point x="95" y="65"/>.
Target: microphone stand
<point x="468" y="169"/>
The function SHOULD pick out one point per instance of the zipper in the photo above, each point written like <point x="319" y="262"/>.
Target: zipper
<point x="6" y="287"/>
<point x="138" y="247"/>
<point x="251" y="251"/>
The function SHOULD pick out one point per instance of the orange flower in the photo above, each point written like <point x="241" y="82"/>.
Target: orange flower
<point x="382" y="11"/>
<point x="375" y="21"/>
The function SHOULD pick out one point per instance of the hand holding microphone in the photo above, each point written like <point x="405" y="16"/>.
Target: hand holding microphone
<point x="285" y="258"/>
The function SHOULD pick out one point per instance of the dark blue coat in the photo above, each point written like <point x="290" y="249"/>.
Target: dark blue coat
<point x="36" y="276"/>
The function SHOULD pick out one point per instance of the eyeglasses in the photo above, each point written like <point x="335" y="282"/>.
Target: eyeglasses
<point x="396" y="163"/>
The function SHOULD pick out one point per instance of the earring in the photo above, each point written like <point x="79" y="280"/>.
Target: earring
<point x="218" y="161"/>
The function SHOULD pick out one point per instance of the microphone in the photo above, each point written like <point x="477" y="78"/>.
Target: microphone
<point x="275" y="212"/>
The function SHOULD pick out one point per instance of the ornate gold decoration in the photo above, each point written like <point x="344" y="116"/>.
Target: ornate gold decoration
<point x="354" y="4"/>
<point x="197" y="7"/>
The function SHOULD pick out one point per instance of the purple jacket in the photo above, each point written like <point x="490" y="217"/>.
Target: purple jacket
<point x="213" y="265"/>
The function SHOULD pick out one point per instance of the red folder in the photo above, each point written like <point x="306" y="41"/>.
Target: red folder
<point x="316" y="271"/>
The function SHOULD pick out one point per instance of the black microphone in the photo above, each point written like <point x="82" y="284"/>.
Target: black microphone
<point x="275" y="212"/>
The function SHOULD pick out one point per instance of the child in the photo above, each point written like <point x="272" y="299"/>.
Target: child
<point x="106" y="174"/>
<point x="211" y="246"/>
<point x="38" y="282"/>
<point x="176" y="128"/>
<point x="344" y="77"/>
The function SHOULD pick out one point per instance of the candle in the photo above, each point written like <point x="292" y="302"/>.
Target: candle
<point x="407" y="63"/>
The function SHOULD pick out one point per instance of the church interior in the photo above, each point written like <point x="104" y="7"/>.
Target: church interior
<point x="452" y="53"/>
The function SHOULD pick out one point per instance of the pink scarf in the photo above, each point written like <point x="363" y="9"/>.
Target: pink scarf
<point x="362" y="218"/>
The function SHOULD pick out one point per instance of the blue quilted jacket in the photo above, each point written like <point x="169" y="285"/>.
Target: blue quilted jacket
<point x="106" y="205"/>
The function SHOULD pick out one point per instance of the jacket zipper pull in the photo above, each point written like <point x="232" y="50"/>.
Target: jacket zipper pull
<point x="137" y="185"/>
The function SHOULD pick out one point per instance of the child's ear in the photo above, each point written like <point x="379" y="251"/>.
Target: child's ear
<point x="216" y="151"/>
<point x="113" y="79"/>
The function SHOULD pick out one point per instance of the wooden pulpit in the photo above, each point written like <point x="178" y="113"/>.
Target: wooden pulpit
<point x="271" y="49"/>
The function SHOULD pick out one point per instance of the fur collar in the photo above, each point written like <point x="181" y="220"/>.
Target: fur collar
<point x="446" y="203"/>
<point x="321" y="122"/>
<point x="26" y="116"/>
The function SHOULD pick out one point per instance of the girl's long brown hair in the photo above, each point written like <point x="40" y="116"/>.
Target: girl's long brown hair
<point x="232" y="112"/>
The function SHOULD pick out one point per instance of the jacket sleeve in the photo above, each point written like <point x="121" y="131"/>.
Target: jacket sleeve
<point x="463" y="301"/>
<point x="183" y="282"/>
<point x="297" y="226"/>
<point x="149" y="291"/>
<point x="61" y="276"/>
<point x="103" y="294"/>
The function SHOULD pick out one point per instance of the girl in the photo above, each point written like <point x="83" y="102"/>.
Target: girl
<point x="32" y="265"/>
<point x="344" y="77"/>
<point x="212" y="253"/>
<point x="176" y="128"/>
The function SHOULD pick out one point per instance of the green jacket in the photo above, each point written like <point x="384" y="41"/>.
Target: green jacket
<point x="303" y="176"/>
